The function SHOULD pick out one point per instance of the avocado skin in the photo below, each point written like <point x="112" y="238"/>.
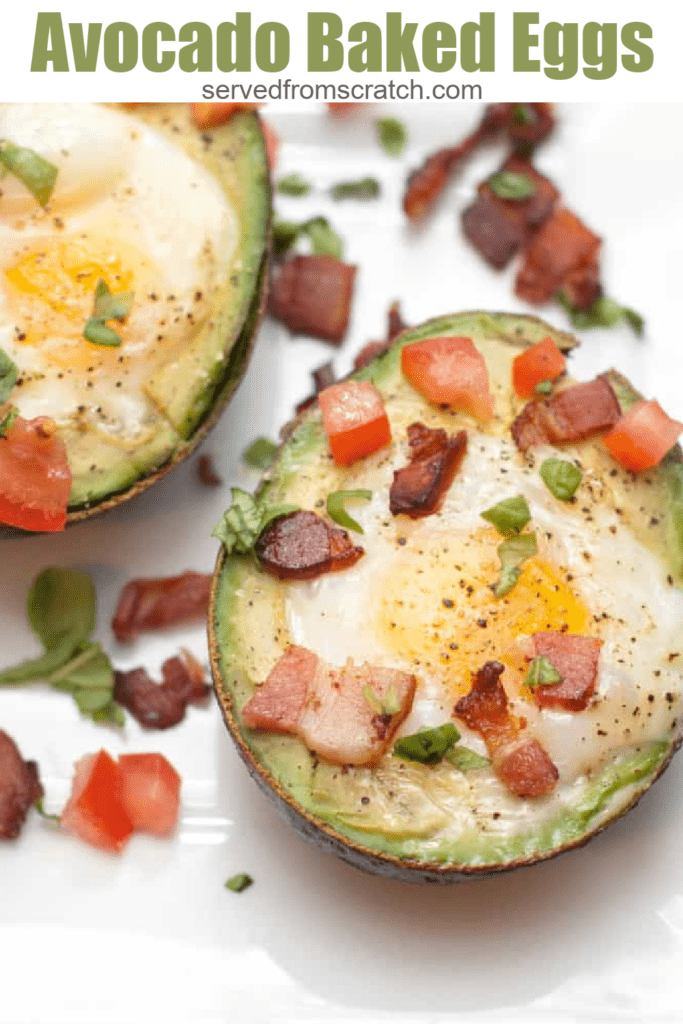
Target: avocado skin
<point x="114" y="486"/>
<point x="564" y="833"/>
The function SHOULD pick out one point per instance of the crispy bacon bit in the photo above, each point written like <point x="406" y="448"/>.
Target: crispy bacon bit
<point x="418" y="489"/>
<point x="329" y="708"/>
<point x="342" y="109"/>
<point x="499" y="228"/>
<point x="395" y="326"/>
<point x="312" y="295"/>
<point x="527" y="771"/>
<point x="20" y="787"/>
<point x="576" y="659"/>
<point x="526" y="124"/>
<point x="161" y="705"/>
<point x="303" y="546"/>
<point x="155" y="603"/>
<point x="206" y="472"/>
<point x="571" y="415"/>
<point x="562" y="250"/>
<point x="520" y="762"/>
<point x="323" y="377"/>
<point x="582" y="287"/>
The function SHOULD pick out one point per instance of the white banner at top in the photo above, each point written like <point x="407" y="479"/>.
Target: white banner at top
<point x="267" y="51"/>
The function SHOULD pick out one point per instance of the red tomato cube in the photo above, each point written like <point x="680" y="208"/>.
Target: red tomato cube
<point x="449" y="371"/>
<point x="150" y="792"/>
<point x="643" y="436"/>
<point x="94" y="811"/>
<point x="355" y="421"/>
<point x="35" y="478"/>
<point x="536" y="364"/>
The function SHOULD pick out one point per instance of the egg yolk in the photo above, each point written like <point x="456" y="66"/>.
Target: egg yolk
<point x="437" y="608"/>
<point x="52" y="292"/>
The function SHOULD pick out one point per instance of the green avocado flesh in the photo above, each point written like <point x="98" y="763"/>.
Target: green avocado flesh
<point x="433" y="821"/>
<point x="187" y="374"/>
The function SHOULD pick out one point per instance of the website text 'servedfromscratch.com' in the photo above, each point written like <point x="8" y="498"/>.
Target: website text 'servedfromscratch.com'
<point x="286" y="89"/>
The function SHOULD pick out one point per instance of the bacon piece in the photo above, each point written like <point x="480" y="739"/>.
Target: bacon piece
<point x="206" y="472"/>
<point x="312" y="295"/>
<point x="323" y="377"/>
<point x="576" y="659"/>
<point x="562" y="248"/>
<point x="582" y="287"/>
<point x="341" y="109"/>
<point x="161" y="705"/>
<point x="527" y="770"/>
<point x="154" y="603"/>
<point x="395" y="326"/>
<point x="418" y="489"/>
<point x="331" y="709"/>
<point x="20" y="787"/>
<point x="303" y="546"/>
<point x="497" y="227"/>
<point x="520" y="761"/>
<point x="529" y="123"/>
<point x="574" y="414"/>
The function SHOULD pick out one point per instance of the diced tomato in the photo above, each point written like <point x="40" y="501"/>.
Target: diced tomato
<point x="355" y="421"/>
<point x="94" y="811"/>
<point x="150" y="792"/>
<point x="536" y="364"/>
<point x="449" y="371"/>
<point x="211" y="115"/>
<point x="272" y="141"/>
<point x="35" y="478"/>
<point x="341" y="109"/>
<point x="643" y="436"/>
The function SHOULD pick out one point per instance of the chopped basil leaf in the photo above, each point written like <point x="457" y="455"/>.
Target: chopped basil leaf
<point x="245" y="521"/>
<point x="389" y="704"/>
<point x="285" y="234"/>
<point x="466" y="760"/>
<point x="560" y="477"/>
<point x="510" y="185"/>
<point x="8" y="375"/>
<point x="512" y="552"/>
<point x="508" y="516"/>
<point x="544" y="387"/>
<point x="240" y="882"/>
<point x="336" y="510"/>
<point x="34" y="171"/>
<point x="98" y="333"/>
<point x="324" y="239"/>
<point x="260" y="453"/>
<point x="111" y="307"/>
<point x="393" y="135"/>
<point x="523" y="114"/>
<point x="40" y="807"/>
<point x="7" y="420"/>
<point x="364" y="188"/>
<point x="542" y="673"/>
<point x="293" y="185"/>
<point x="107" y="307"/>
<point x="604" y="312"/>
<point x="61" y="608"/>
<point x="427" y="746"/>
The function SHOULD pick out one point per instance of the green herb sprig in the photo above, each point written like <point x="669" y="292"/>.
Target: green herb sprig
<point x="294" y="185"/>
<point x="364" y="189"/>
<point x="61" y="608"/>
<point x="260" y="453"/>
<point x="542" y="672"/>
<point x="604" y="312"/>
<point x="323" y="239"/>
<point x="36" y="173"/>
<point x="246" y="519"/>
<point x="511" y="185"/>
<point x="509" y="516"/>
<point x="239" y="882"/>
<point x="392" y="134"/>
<point x="107" y="307"/>
<point x="562" y="478"/>
<point x="512" y="553"/>
<point x="8" y="375"/>
<point x="337" y="512"/>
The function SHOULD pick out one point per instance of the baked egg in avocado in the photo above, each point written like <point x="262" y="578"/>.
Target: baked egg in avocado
<point x="496" y="676"/>
<point x="160" y="225"/>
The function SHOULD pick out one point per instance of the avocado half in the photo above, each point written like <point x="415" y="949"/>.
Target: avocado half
<point x="190" y="391"/>
<point x="248" y="633"/>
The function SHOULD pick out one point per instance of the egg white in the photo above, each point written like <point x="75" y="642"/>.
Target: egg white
<point x="624" y="586"/>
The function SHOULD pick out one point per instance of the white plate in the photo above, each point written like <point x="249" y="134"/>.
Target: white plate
<point x="153" y="934"/>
